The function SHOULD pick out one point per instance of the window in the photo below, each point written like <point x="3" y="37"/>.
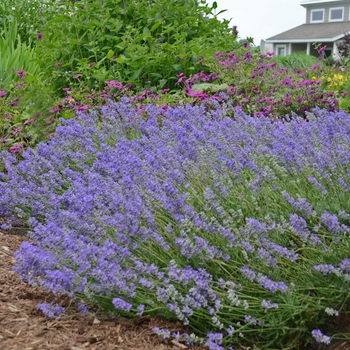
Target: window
<point x="317" y="16"/>
<point x="336" y="14"/>
<point x="328" y="53"/>
<point x="281" y="50"/>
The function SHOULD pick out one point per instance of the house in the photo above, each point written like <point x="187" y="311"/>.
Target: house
<point x="327" y="21"/>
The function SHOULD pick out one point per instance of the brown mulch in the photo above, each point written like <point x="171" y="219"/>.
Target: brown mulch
<point x="22" y="327"/>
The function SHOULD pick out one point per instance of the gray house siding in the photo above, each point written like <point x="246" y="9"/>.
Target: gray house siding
<point x="299" y="47"/>
<point x="327" y="8"/>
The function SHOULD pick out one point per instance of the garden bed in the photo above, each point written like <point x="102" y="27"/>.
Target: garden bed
<point x="23" y="327"/>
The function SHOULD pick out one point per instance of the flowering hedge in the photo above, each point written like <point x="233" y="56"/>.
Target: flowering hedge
<point x="237" y="227"/>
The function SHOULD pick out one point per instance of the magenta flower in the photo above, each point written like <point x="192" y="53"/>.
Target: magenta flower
<point x="115" y="84"/>
<point x="55" y="110"/>
<point x="65" y="89"/>
<point x="3" y="94"/>
<point x="28" y="121"/>
<point x="83" y="108"/>
<point x="77" y="76"/>
<point x="16" y="148"/>
<point x="91" y="64"/>
<point x="17" y="131"/>
<point x="322" y="49"/>
<point x="39" y="36"/>
<point x="14" y="102"/>
<point x="20" y="73"/>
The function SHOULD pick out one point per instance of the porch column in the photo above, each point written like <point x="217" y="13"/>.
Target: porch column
<point x="289" y="48"/>
<point x="308" y="48"/>
<point x="335" y="51"/>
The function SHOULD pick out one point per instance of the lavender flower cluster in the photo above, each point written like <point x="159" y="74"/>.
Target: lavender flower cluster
<point x="187" y="213"/>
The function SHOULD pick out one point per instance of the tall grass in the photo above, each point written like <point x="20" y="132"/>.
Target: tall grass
<point x="295" y="61"/>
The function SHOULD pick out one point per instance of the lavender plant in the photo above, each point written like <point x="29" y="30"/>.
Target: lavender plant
<point x="237" y="227"/>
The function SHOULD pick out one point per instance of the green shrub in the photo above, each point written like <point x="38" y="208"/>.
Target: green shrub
<point x="141" y="42"/>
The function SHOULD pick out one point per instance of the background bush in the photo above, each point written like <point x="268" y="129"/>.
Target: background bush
<point x="142" y="42"/>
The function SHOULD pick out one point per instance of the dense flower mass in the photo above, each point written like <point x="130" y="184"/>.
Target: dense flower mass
<point x="190" y="213"/>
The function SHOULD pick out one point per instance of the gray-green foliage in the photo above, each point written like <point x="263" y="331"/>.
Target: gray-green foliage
<point x="142" y="42"/>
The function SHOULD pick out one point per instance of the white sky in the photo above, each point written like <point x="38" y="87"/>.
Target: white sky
<point x="262" y="19"/>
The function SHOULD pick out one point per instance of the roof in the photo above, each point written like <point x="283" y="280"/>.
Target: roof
<point x="316" y="2"/>
<point x="330" y="31"/>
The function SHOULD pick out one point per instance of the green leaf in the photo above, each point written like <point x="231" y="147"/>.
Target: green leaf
<point x="120" y="59"/>
<point x="155" y="26"/>
<point x="209" y="87"/>
<point x="137" y="74"/>
<point x="110" y="53"/>
<point x="162" y="82"/>
<point x="146" y="31"/>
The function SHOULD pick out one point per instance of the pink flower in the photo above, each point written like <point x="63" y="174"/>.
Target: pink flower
<point x="83" y="108"/>
<point x="115" y="84"/>
<point x="192" y="93"/>
<point x="16" y="131"/>
<point x="3" y="94"/>
<point x="20" y="73"/>
<point x="77" y="76"/>
<point x="19" y="85"/>
<point x="55" y="110"/>
<point x="39" y="36"/>
<point x="65" y="89"/>
<point x="16" y="148"/>
<point x="164" y="91"/>
<point x="313" y="67"/>
<point x="28" y="121"/>
<point x="322" y="49"/>
<point x="91" y="64"/>
<point x="14" y="102"/>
